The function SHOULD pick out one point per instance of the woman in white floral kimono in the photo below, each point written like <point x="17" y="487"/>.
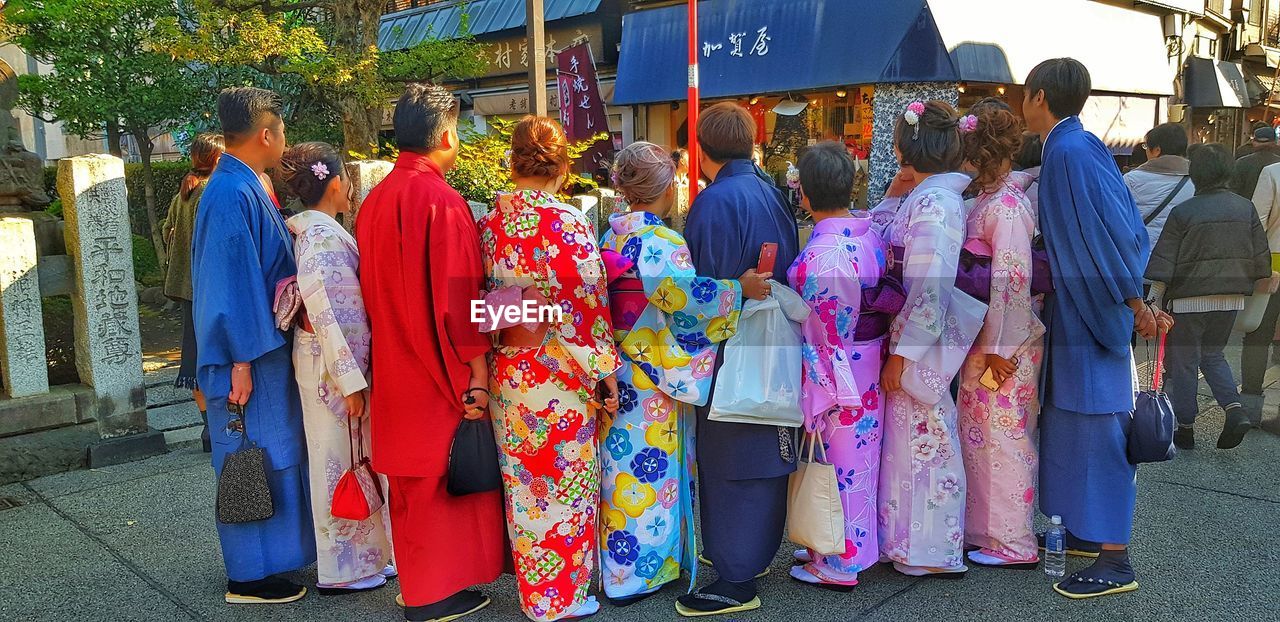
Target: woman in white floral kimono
<point x="922" y="479"/>
<point x="331" y="360"/>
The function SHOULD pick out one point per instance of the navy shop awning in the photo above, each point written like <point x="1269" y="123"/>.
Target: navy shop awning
<point x="753" y="46"/>
<point x="1208" y="83"/>
<point x="444" y="20"/>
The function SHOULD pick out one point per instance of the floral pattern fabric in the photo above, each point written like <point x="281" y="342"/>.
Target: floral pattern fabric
<point x="545" y="428"/>
<point x="997" y="427"/>
<point x="668" y="356"/>
<point x="329" y="365"/>
<point x="922" y="478"/>
<point x="841" y="385"/>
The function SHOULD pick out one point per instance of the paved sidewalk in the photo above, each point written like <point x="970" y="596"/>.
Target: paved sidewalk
<point x="136" y="542"/>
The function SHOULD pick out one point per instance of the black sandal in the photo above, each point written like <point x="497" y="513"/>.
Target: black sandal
<point x="1077" y="587"/>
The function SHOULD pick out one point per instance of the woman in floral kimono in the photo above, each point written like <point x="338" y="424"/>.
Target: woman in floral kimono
<point x="666" y="320"/>
<point x="922" y="479"/>
<point x="330" y="359"/>
<point x="545" y="377"/>
<point x="997" y="424"/>
<point x="844" y="346"/>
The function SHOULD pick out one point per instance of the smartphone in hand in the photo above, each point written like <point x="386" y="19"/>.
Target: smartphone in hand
<point x="768" y="257"/>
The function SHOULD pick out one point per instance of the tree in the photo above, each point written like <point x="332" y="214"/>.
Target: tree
<point x="331" y="44"/>
<point x="105" y="73"/>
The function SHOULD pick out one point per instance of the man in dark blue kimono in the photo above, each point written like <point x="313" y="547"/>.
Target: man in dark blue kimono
<point x="742" y="468"/>
<point x="240" y="251"/>
<point x="1098" y="251"/>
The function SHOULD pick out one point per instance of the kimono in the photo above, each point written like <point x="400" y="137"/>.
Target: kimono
<point x="330" y="362"/>
<point x="420" y="269"/>
<point x="240" y="250"/>
<point x="667" y="322"/>
<point x="841" y="383"/>
<point x="997" y="428"/>
<point x="1098" y="251"/>
<point x="545" y="428"/>
<point x="922" y="479"/>
<point x="742" y="468"/>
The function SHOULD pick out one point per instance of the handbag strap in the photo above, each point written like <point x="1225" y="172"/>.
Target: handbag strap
<point x="237" y="412"/>
<point x="357" y="441"/>
<point x="813" y="442"/>
<point x="1167" y="200"/>
<point x="1157" y="371"/>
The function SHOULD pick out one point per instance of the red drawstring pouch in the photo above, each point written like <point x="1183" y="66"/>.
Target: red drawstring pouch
<point x="359" y="491"/>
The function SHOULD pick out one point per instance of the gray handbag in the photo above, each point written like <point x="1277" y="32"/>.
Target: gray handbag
<point x="243" y="493"/>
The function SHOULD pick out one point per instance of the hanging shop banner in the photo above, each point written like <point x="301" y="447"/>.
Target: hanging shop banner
<point x="582" y="108"/>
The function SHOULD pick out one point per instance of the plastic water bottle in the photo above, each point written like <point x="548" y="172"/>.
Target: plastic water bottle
<point x="1055" y="549"/>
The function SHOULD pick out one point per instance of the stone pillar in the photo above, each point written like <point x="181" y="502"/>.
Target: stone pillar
<point x="22" y="354"/>
<point x="590" y="207"/>
<point x="365" y="174"/>
<point x="889" y="103"/>
<point x="104" y="300"/>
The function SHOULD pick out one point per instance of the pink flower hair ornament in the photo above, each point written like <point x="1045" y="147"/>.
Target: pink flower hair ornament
<point x="320" y="170"/>
<point x="968" y="123"/>
<point x="912" y="117"/>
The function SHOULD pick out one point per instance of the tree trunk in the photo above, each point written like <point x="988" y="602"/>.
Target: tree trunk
<point x="355" y="34"/>
<point x="145" y="148"/>
<point x="113" y="139"/>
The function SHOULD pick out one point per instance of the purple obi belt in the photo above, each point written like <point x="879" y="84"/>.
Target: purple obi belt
<point x="973" y="274"/>
<point x="880" y="304"/>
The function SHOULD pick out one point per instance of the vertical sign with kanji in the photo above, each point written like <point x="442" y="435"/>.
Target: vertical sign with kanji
<point x="581" y="108"/>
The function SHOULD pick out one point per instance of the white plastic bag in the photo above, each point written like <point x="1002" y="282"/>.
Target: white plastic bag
<point x="759" y="382"/>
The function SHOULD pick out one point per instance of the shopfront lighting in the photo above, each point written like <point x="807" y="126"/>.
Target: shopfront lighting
<point x="842" y="93"/>
<point x="962" y="87"/>
<point x="755" y="99"/>
<point x="1000" y="89"/>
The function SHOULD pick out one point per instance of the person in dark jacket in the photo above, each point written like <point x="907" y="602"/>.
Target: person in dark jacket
<point x="1248" y="168"/>
<point x="1211" y="253"/>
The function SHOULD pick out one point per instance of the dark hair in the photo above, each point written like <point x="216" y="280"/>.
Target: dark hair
<point x="423" y="113"/>
<point x="996" y="139"/>
<point x="309" y="168"/>
<point x="1211" y="167"/>
<point x="726" y="131"/>
<point x="1171" y="138"/>
<point x="1032" y="152"/>
<point x="245" y="109"/>
<point x="205" y="151"/>
<point x="539" y="148"/>
<point x="932" y="145"/>
<point x="1066" y="85"/>
<point x="826" y="176"/>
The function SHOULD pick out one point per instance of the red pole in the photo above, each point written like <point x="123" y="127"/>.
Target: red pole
<point x="695" y="172"/>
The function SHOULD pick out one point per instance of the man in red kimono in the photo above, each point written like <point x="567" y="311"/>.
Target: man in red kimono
<point x="420" y="269"/>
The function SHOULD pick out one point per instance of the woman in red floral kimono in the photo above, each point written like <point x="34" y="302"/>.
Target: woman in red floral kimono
<point x="544" y="376"/>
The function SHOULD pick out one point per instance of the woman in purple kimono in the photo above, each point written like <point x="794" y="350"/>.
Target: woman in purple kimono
<point x="922" y="478"/>
<point x="998" y="400"/>
<point x="331" y="363"/>
<point x="844" y="344"/>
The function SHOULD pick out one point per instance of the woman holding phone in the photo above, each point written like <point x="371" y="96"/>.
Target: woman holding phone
<point x="998" y="401"/>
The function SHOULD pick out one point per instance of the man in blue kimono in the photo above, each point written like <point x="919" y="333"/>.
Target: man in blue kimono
<point x="742" y="468"/>
<point x="1097" y="251"/>
<point x="240" y="251"/>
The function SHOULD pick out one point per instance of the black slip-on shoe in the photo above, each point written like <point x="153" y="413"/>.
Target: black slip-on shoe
<point x="459" y="605"/>
<point x="1233" y="431"/>
<point x="1184" y="437"/>
<point x="268" y="591"/>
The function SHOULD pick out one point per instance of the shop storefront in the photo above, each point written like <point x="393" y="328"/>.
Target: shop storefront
<point x="813" y="70"/>
<point x="499" y="26"/>
<point x="1217" y="97"/>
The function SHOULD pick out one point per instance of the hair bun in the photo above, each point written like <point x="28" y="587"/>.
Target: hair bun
<point x="539" y="148"/>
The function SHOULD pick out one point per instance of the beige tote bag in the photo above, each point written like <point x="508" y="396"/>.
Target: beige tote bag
<point x="815" y="515"/>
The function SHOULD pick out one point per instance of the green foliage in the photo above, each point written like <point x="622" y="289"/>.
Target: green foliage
<point x="330" y="46"/>
<point x="483" y="169"/>
<point x="102" y="65"/>
<point x="146" y="268"/>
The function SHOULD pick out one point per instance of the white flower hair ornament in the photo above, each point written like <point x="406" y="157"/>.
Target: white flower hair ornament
<point x="320" y="170"/>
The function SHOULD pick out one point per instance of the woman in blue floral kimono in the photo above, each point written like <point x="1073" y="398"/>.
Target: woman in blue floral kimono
<point x="666" y="321"/>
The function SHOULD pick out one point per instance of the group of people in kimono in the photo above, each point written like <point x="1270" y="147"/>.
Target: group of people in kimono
<point x="601" y="415"/>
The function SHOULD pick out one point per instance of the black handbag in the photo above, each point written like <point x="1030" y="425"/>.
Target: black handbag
<point x="243" y="493"/>
<point x="473" y="459"/>
<point x="1150" y="436"/>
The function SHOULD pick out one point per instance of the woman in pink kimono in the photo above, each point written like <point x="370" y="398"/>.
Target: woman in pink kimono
<point x="922" y="479"/>
<point x="844" y="344"/>
<point x="331" y="360"/>
<point x="998" y="402"/>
